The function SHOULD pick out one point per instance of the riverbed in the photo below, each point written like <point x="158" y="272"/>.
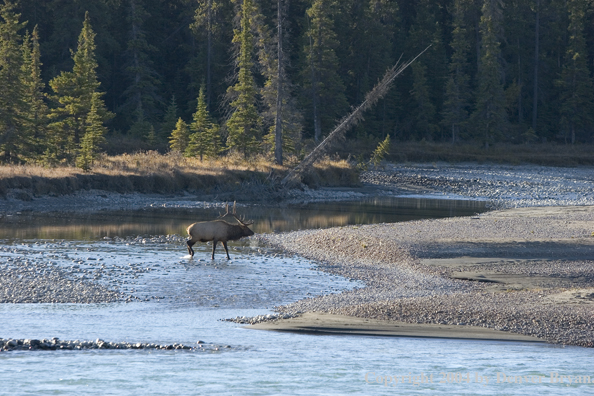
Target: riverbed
<point x="169" y="298"/>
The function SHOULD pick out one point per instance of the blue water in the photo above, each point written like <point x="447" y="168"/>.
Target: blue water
<point x="195" y="294"/>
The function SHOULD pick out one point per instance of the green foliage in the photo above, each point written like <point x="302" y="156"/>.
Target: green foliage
<point x="577" y="88"/>
<point x="14" y="137"/>
<point x="180" y="137"/>
<point x="74" y="93"/>
<point x="93" y="137"/>
<point x="204" y="137"/>
<point x="169" y="120"/>
<point x="325" y="89"/>
<point x="244" y="125"/>
<point x="490" y="116"/>
<point x="380" y="152"/>
<point x="457" y="95"/>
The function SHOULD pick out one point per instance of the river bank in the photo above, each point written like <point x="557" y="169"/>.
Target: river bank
<point x="527" y="271"/>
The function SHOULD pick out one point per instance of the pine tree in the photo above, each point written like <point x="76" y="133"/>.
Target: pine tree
<point x="204" y="137"/>
<point x="429" y="73"/>
<point x="12" y="93"/>
<point x="457" y="97"/>
<point x="281" y="115"/>
<point x="169" y="119"/>
<point x="74" y="91"/>
<point x="141" y="92"/>
<point x="94" y="135"/>
<point x="244" y="125"/>
<point x="205" y="20"/>
<point x="180" y="137"/>
<point x="577" y="89"/>
<point x="489" y="117"/>
<point x="321" y="70"/>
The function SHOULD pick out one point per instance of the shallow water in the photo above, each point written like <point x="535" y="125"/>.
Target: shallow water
<point x="186" y="300"/>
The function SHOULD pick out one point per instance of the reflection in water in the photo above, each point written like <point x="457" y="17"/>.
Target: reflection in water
<point x="276" y="219"/>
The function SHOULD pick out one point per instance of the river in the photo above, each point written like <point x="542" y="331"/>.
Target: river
<point x="182" y="300"/>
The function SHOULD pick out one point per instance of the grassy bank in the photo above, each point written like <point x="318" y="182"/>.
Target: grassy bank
<point x="150" y="172"/>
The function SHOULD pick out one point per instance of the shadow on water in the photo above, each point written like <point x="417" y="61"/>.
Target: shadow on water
<point x="165" y="221"/>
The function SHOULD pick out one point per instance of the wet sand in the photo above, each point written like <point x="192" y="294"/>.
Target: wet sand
<point x="527" y="271"/>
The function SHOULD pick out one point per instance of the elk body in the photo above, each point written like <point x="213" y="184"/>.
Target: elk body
<point x="218" y="231"/>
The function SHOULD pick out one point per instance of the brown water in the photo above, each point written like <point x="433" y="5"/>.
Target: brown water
<point x="77" y="226"/>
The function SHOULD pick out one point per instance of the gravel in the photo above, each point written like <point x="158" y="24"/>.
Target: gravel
<point x="386" y="257"/>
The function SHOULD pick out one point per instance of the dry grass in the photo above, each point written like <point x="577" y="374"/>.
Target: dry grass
<point x="151" y="172"/>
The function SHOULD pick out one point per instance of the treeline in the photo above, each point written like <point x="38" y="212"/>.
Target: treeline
<point x="207" y="76"/>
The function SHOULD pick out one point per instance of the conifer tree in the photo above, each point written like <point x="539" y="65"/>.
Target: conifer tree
<point x="321" y="72"/>
<point x="12" y="99"/>
<point x="489" y="117"/>
<point x="457" y="96"/>
<point x="169" y="119"/>
<point x="577" y="89"/>
<point x="74" y="91"/>
<point x="205" y="20"/>
<point x="94" y="135"/>
<point x="430" y="71"/>
<point x="180" y="137"/>
<point x="244" y="125"/>
<point x="281" y="115"/>
<point x="141" y="92"/>
<point x="204" y="137"/>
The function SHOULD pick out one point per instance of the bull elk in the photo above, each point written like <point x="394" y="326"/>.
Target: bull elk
<point x="218" y="230"/>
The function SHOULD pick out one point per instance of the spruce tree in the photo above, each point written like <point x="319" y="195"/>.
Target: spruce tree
<point x="489" y="117"/>
<point x="74" y="92"/>
<point x="244" y="124"/>
<point x="169" y="119"/>
<point x="457" y="96"/>
<point x="12" y="94"/>
<point x="94" y="135"/>
<point x="204" y="137"/>
<point x="321" y="70"/>
<point x="577" y="89"/>
<point x="180" y="137"/>
<point x="141" y="93"/>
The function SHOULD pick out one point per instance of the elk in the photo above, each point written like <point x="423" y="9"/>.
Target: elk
<point x="218" y="230"/>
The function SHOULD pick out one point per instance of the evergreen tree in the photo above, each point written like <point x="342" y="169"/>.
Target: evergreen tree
<point x="320" y="73"/>
<point x="244" y="125"/>
<point x="457" y="97"/>
<point x="490" y="117"/>
<point x="12" y="94"/>
<point x="205" y="20"/>
<point x="427" y="89"/>
<point x="180" y="137"/>
<point x="74" y="91"/>
<point x="170" y="119"/>
<point x="204" y="137"/>
<point x="141" y="92"/>
<point x="577" y="89"/>
<point x="94" y="135"/>
<point x="281" y="115"/>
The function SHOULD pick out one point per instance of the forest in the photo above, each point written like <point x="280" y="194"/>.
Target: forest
<point x="209" y="77"/>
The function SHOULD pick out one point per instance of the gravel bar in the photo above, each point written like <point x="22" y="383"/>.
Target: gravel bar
<point x="389" y="259"/>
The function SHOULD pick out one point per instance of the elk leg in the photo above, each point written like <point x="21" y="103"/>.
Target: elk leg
<point x="190" y="250"/>
<point x="214" y="246"/>
<point x="226" y="250"/>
